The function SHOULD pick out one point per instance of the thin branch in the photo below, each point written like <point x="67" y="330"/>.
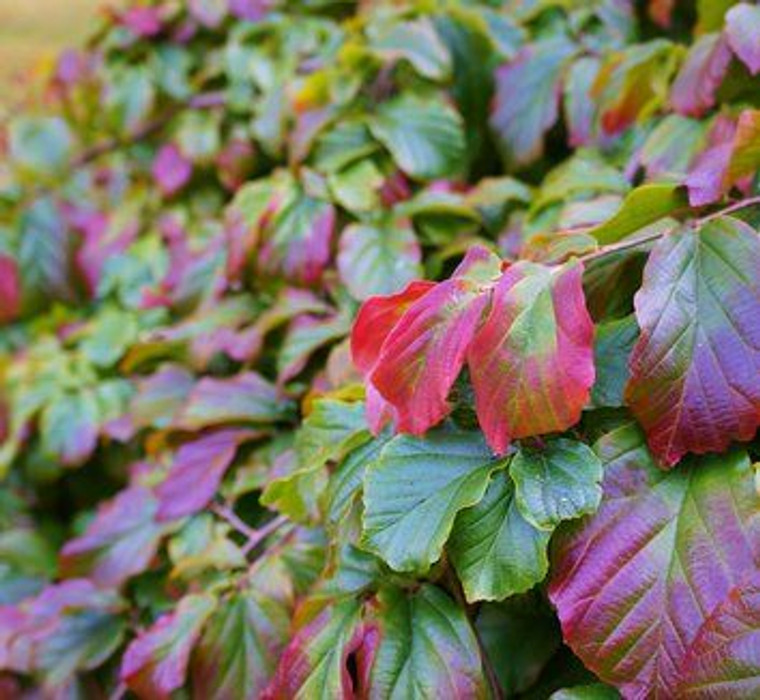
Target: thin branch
<point x="254" y="536"/>
<point x="628" y="244"/>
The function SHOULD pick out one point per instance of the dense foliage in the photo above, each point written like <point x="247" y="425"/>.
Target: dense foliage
<point x="385" y="349"/>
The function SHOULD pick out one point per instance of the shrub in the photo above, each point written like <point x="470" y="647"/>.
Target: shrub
<point x="385" y="349"/>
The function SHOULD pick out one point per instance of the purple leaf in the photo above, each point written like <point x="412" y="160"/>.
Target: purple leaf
<point x="695" y="370"/>
<point x="634" y="583"/>
<point x="120" y="542"/>
<point x="693" y="92"/>
<point x="724" y="658"/>
<point x="743" y="34"/>
<point x="526" y="104"/>
<point x="251" y="10"/>
<point x="244" y="398"/>
<point x="171" y="170"/>
<point x="155" y="664"/>
<point x="160" y="397"/>
<point x="197" y="471"/>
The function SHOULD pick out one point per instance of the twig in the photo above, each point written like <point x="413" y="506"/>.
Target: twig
<point x="627" y="244"/>
<point x="254" y="536"/>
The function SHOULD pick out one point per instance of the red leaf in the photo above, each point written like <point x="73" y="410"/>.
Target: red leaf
<point x="423" y="354"/>
<point x="376" y="319"/>
<point x="695" y="370"/>
<point x="10" y="289"/>
<point x="531" y="363"/>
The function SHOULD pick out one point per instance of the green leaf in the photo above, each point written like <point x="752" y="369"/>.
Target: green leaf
<point x="415" y="41"/>
<point x="240" y="646"/>
<point x="111" y="334"/>
<point x="424" y="135"/>
<point x="39" y="145"/>
<point x="357" y="187"/>
<point x="378" y="259"/>
<point x="413" y="492"/>
<point x="496" y="552"/>
<point x="69" y="427"/>
<point x="613" y="344"/>
<point x="641" y="207"/>
<point x="426" y="649"/>
<point x="558" y="481"/>
<point x="519" y="635"/>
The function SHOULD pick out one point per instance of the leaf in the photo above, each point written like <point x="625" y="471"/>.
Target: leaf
<point x="160" y="397"/>
<point x="579" y="107"/>
<point x="414" y="490"/>
<point x="119" y="542"/>
<point x="694" y="90"/>
<point x="597" y="691"/>
<point x="612" y="349"/>
<point x="197" y="471"/>
<point x="531" y="362"/>
<point x="46" y="257"/>
<point x="642" y="206"/>
<point x="526" y="104"/>
<point x="633" y="84"/>
<point x="69" y="427"/>
<point x="724" y="658"/>
<point x="425" y="136"/>
<point x="376" y="319"/>
<point x="70" y="626"/>
<point x="496" y="552"/>
<point x="314" y="664"/>
<point x="671" y="147"/>
<point x="743" y="34"/>
<point x="171" y="170"/>
<point x="425" y="648"/>
<point x="306" y="335"/>
<point x="719" y="167"/>
<point x="39" y="145"/>
<point x="378" y="259"/>
<point x="519" y="636"/>
<point x="243" y="398"/>
<point x="10" y="289"/>
<point x="667" y="549"/>
<point x="238" y="650"/>
<point x="423" y="354"/>
<point x="155" y="663"/>
<point x="555" y="482"/>
<point x="693" y="380"/>
<point x="298" y="238"/>
<point x="415" y="41"/>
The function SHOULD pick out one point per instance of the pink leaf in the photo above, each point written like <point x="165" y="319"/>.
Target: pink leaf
<point x="171" y="170"/>
<point x="743" y="34"/>
<point x="693" y="92"/>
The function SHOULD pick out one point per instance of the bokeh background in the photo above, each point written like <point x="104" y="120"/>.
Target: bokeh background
<point x="33" y="32"/>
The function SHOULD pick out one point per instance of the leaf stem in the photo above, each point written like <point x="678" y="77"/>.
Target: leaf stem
<point x="627" y="244"/>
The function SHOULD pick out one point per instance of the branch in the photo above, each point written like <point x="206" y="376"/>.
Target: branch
<point x="254" y="536"/>
<point x="627" y="244"/>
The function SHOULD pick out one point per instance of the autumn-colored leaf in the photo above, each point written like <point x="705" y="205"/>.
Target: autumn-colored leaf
<point x="693" y="384"/>
<point x="531" y="362"/>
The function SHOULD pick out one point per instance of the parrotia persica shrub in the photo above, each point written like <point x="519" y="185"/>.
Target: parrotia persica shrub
<point x="385" y="350"/>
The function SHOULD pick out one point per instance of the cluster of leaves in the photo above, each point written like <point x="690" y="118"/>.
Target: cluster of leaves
<point x="385" y="349"/>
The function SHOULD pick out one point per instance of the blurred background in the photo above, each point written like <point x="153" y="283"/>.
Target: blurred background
<point x="32" y="32"/>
